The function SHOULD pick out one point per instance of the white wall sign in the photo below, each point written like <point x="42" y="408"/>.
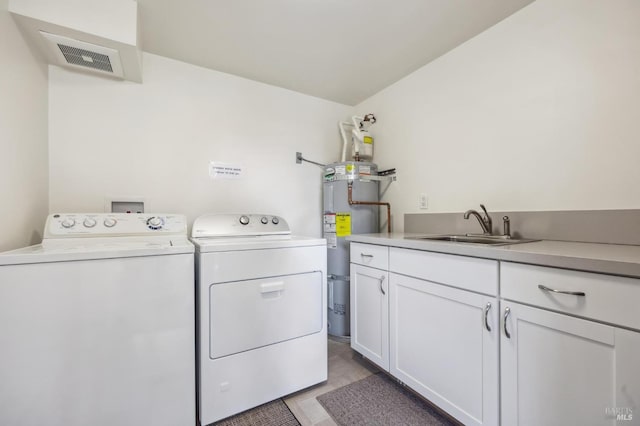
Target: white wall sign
<point x="224" y="171"/>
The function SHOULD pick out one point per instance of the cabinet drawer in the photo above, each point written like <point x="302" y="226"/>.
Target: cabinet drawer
<point x="469" y="273"/>
<point x="606" y="298"/>
<point x="370" y="255"/>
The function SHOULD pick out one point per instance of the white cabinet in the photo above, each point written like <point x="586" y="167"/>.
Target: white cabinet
<point x="444" y="340"/>
<point x="560" y="370"/>
<point x="600" y="297"/>
<point x="557" y="368"/>
<point x="369" y="290"/>
<point x="565" y="354"/>
<point x="442" y="347"/>
<point x="467" y="273"/>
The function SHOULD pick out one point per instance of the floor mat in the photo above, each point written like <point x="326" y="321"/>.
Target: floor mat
<point x="274" y="413"/>
<point x="378" y="400"/>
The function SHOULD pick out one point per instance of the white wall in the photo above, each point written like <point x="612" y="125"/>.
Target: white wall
<point x="23" y="139"/>
<point x="540" y="112"/>
<point x="155" y="140"/>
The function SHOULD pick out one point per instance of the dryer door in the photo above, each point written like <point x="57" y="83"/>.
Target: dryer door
<point x="249" y="314"/>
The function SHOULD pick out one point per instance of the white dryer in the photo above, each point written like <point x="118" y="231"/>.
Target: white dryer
<point x="97" y="324"/>
<point x="261" y="300"/>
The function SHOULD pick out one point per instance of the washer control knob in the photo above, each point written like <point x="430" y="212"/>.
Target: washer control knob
<point x="244" y="220"/>
<point x="89" y="222"/>
<point x="110" y="222"/>
<point x="155" y="222"/>
<point x="264" y="220"/>
<point x="275" y="220"/>
<point x="68" y="223"/>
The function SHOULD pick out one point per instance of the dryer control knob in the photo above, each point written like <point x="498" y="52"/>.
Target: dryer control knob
<point x="68" y="223"/>
<point x="275" y="220"/>
<point x="244" y="220"/>
<point x="264" y="220"/>
<point x="89" y="222"/>
<point x="110" y="222"/>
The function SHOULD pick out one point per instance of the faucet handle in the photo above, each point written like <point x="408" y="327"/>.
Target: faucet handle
<point x="487" y="219"/>
<point x="506" y="224"/>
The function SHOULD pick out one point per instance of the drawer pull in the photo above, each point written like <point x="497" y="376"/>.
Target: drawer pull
<point x="366" y="255"/>
<point x="486" y="312"/>
<point x="507" y="312"/>
<point x="573" y="293"/>
<point x="381" y="288"/>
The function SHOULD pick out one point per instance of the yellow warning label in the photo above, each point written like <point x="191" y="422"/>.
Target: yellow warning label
<point x="343" y="224"/>
<point x="368" y="139"/>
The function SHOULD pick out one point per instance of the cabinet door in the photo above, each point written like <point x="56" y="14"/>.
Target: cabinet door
<point x="370" y="314"/>
<point x="444" y="345"/>
<point x="561" y="370"/>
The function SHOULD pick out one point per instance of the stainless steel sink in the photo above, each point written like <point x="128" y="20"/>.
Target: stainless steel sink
<point x="491" y="240"/>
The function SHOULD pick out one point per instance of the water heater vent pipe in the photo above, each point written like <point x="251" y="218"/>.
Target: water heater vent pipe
<point x="345" y="141"/>
<point x="359" y="137"/>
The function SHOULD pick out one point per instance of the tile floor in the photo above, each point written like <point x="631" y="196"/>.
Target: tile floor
<point x="345" y="366"/>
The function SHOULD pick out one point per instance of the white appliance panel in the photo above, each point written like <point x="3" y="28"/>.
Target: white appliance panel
<point x="263" y="312"/>
<point x="92" y="225"/>
<point x="98" y="342"/>
<point x="236" y="383"/>
<point x="88" y="236"/>
<point x="238" y="265"/>
<point x="262" y="324"/>
<point x="208" y="245"/>
<point x="233" y="225"/>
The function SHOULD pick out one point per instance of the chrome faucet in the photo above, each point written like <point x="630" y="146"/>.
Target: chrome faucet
<point x="485" y="222"/>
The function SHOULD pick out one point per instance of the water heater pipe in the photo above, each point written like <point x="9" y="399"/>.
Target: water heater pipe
<point x="345" y="142"/>
<point x="369" y="203"/>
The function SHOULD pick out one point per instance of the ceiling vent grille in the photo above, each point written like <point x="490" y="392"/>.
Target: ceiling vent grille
<point x="79" y="54"/>
<point x="85" y="58"/>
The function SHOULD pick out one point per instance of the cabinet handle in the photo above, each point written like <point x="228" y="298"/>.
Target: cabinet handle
<point x="486" y="312"/>
<point x="381" y="288"/>
<point x="573" y="293"/>
<point x="366" y="255"/>
<point x="507" y="312"/>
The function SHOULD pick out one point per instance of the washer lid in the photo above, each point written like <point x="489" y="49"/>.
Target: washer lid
<point x="65" y="250"/>
<point x="239" y="225"/>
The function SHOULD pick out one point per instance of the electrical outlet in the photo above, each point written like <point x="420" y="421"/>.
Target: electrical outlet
<point x="423" y="202"/>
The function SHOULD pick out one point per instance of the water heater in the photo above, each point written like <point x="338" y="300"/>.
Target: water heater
<point x="342" y="219"/>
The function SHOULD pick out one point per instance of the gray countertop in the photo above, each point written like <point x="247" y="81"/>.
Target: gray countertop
<point x="602" y="258"/>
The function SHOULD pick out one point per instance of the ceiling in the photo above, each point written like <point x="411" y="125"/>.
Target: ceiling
<point x="340" y="50"/>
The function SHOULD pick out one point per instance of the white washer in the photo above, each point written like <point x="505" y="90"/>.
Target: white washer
<point x="97" y="324"/>
<point x="261" y="297"/>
